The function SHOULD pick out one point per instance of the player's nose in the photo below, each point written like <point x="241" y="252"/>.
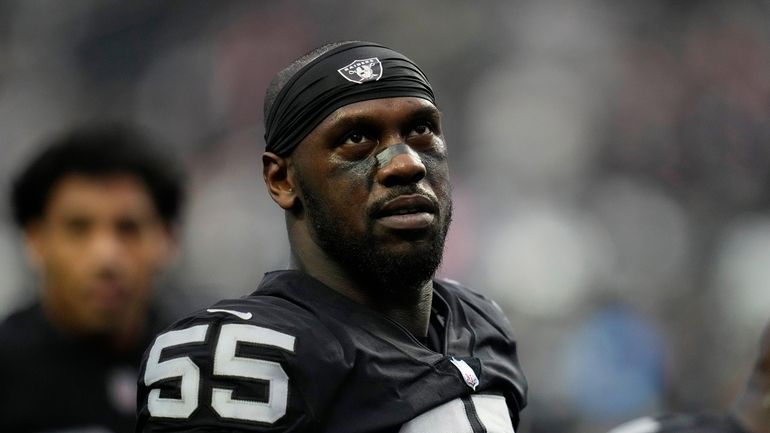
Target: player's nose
<point x="399" y="165"/>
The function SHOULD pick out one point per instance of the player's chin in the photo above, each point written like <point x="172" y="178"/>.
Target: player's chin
<point x="405" y="241"/>
<point x="412" y="243"/>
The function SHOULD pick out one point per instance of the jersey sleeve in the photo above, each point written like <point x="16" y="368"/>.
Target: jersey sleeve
<point x="239" y="367"/>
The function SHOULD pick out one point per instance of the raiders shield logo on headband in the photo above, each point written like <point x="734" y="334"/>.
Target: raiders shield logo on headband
<point x="361" y="71"/>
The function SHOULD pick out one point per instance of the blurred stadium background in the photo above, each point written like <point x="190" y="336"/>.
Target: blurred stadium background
<point x="611" y="164"/>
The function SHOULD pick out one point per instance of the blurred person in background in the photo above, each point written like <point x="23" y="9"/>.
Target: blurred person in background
<point x="98" y="209"/>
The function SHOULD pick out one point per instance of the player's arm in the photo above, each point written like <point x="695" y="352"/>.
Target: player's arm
<point x="752" y="408"/>
<point x="214" y="374"/>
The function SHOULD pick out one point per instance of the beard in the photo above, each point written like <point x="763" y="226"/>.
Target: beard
<point x="380" y="271"/>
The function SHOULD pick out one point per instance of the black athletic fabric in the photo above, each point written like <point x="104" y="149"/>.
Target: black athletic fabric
<point x="320" y="88"/>
<point x="50" y="381"/>
<point x="352" y="370"/>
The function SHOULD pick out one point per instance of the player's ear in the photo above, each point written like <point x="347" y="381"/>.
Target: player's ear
<point x="279" y="183"/>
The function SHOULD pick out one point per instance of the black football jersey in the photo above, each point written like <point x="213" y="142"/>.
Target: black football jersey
<point x="296" y="356"/>
<point x="682" y="423"/>
<point x="51" y="381"/>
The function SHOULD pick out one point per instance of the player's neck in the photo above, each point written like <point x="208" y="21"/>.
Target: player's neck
<point x="414" y="317"/>
<point x="410" y="309"/>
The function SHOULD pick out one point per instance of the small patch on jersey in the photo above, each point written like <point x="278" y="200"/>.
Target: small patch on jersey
<point x="641" y="425"/>
<point x="238" y="314"/>
<point x="467" y="372"/>
<point x="361" y="71"/>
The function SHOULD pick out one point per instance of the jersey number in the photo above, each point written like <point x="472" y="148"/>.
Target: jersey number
<point x="226" y="364"/>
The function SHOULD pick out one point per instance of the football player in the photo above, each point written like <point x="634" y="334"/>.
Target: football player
<point x="357" y="336"/>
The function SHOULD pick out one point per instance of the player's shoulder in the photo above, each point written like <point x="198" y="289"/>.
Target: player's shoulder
<point x="263" y="361"/>
<point x="273" y="314"/>
<point x="462" y="291"/>
<point x="472" y="298"/>
<point x="681" y="423"/>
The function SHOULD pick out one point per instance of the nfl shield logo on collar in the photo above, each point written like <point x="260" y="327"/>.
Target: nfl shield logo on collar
<point x="467" y="372"/>
<point x="361" y="71"/>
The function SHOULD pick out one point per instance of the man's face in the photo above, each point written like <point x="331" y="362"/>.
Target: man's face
<point x="384" y="222"/>
<point x="98" y="246"/>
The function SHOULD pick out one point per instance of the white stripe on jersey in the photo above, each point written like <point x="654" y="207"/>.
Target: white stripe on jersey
<point x="451" y="417"/>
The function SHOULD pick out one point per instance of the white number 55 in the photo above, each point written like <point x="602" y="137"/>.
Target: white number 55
<point x="226" y="364"/>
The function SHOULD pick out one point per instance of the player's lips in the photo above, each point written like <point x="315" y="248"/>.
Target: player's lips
<point x="407" y="212"/>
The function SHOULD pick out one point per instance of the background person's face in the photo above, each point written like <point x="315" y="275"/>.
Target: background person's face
<point x="98" y="246"/>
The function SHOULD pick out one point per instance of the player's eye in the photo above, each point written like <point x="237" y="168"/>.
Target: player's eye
<point x="355" y="137"/>
<point x="423" y="128"/>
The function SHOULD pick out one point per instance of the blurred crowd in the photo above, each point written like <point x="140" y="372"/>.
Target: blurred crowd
<point x="610" y="163"/>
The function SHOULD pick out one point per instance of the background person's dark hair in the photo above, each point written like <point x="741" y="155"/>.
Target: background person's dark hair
<point x="98" y="149"/>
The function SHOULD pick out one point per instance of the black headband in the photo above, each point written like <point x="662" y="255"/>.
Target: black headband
<point x="353" y="72"/>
